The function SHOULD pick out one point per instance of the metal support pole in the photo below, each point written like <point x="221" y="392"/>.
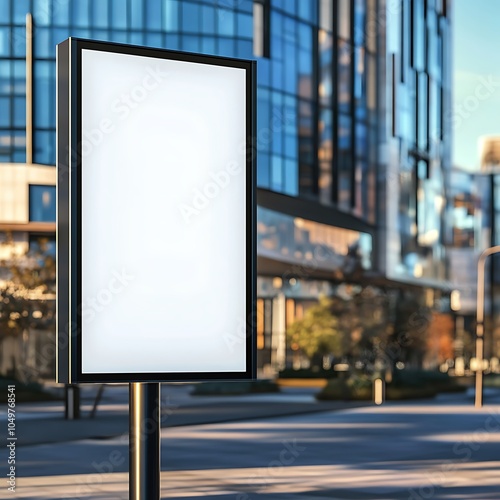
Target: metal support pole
<point x="144" y="443"/>
<point x="478" y="403"/>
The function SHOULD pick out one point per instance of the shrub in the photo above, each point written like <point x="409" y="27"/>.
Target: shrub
<point x="354" y="388"/>
<point x="492" y="380"/>
<point x="406" y="384"/>
<point x="441" y="382"/>
<point x="395" y="393"/>
<point x="307" y="373"/>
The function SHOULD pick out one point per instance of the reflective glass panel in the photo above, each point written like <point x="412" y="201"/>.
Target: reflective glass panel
<point x="42" y="203"/>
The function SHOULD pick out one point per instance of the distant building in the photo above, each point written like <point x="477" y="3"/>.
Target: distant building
<point x="473" y="214"/>
<point x="489" y="152"/>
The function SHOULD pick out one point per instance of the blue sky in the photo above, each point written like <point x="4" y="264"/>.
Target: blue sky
<point x="476" y="69"/>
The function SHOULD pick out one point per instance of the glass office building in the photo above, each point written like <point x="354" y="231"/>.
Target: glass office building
<point x="352" y="136"/>
<point x="473" y="215"/>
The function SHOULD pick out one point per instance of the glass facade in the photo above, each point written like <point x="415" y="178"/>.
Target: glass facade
<point x="42" y="201"/>
<point x="322" y="68"/>
<point x="311" y="245"/>
<point x="473" y="212"/>
<point x="463" y="210"/>
<point x="316" y="76"/>
<point x="224" y="28"/>
<point x="418" y="137"/>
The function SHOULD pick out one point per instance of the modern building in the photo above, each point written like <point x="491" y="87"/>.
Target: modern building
<point x="473" y="226"/>
<point x="353" y="140"/>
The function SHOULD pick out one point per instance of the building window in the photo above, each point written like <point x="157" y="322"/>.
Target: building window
<point x="261" y="17"/>
<point x="268" y="323"/>
<point x="42" y="201"/>
<point x="300" y="240"/>
<point x="42" y="245"/>
<point x="326" y="15"/>
<point x="423" y="111"/>
<point x="344" y="19"/>
<point x="430" y="204"/>
<point x="464" y="216"/>
<point x="418" y="36"/>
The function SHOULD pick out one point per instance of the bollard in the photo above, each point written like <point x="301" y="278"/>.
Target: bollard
<point x="378" y="391"/>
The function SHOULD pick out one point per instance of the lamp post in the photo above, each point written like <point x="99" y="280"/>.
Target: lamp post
<point x="480" y="324"/>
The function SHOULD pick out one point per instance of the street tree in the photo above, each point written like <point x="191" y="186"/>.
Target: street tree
<point x="316" y="334"/>
<point x="27" y="290"/>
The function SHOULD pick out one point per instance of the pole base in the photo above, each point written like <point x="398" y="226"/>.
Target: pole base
<point x="144" y="441"/>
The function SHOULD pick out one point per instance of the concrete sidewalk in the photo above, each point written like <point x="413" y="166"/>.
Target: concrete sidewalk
<point x="441" y="449"/>
<point x="106" y="425"/>
<point x="44" y="423"/>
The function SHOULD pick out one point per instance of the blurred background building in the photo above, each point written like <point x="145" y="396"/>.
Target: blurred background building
<point x="353" y="140"/>
<point x="474" y="225"/>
